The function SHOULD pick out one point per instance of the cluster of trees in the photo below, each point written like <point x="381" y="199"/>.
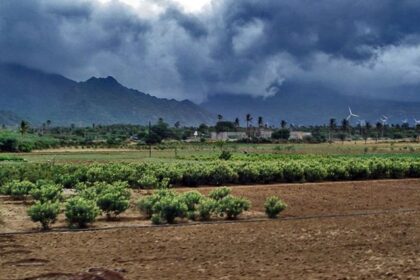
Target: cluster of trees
<point x="27" y="138"/>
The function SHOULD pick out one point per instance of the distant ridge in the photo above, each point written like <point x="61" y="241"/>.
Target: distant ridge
<point x="39" y="96"/>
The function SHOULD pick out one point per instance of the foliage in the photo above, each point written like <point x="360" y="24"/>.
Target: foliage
<point x="47" y="192"/>
<point x="44" y="212"/>
<point x="80" y="211"/>
<point x="18" y="189"/>
<point x="220" y="193"/>
<point x="206" y="208"/>
<point x="146" y="204"/>
<point x="191" y="200"/>
<point x="113" y="199"/>
<point x="169" y="208"/>
<point x="273" y="206"/>
<point x="231" y="206"/>
<point x="225" y="155"/>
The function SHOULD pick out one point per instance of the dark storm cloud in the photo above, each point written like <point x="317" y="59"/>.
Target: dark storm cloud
<point x="247" y="46"/>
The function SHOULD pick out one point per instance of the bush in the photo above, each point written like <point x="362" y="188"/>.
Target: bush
<point x="191" y="199"/>
<point x="273" y="206"/>
<point x="48" y="192"/>
<point x="232" y="206"/>
<point x="225" y="155"/>
<point x="220" y="193"/>
<point x="206" y="208"/>
<point x="146" y="204"/>
<point x="156" y="219"/>
<point x="44" y="212"/>
<point x="169" y="208"/>
<point x="18" y="189"/>
<point x="80" y="211"/>
<point x="114" y="199"/>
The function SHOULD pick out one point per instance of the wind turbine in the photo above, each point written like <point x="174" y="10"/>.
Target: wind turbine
<point x="416" y="122"/>
<point x="384" y="119"/>
<point x="351" y="115"/>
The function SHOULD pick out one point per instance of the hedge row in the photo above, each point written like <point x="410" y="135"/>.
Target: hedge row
<point x="151" y="175"/>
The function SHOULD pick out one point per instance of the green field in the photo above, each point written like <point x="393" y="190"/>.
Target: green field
<point x="198" y="151"/>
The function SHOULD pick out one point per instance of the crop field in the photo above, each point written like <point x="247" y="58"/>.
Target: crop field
<point x="359" y="229"/>
<point x="329" y="211"/>
<point x="198" y="151"/>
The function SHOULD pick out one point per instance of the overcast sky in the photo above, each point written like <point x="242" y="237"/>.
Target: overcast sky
<point x="192" y="48"/>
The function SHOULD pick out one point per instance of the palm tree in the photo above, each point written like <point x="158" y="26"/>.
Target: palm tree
<point x="368" y="127"/>
<point x="23" y="128"/>
<point x="332" y="126"/>
<point x="219" y="117"/>
<point x="260" y="121"/>
<point x="283" y="124"/>
<point x="379" y="127"/>
<point x="237" y="122"/>
<point x="248" y="119"/>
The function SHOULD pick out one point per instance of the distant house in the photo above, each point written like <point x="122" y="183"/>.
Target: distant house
<point x="225" y="136"/>
<point x="299" y="135"/>
<point x="239" y="135"/>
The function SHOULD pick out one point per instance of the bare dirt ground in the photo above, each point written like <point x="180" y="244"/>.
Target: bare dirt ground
<point x="383" y="243"/>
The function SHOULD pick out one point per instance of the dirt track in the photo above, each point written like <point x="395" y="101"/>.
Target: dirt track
<point x="382" y="246"/>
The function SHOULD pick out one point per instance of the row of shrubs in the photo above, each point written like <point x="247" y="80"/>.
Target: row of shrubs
<point x="163" y="206"/>
<point x="149" y="175"/>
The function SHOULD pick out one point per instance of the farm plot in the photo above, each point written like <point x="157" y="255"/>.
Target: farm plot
<point x="367" y="230"/>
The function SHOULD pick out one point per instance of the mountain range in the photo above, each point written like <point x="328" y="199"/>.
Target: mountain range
<point x="37" y="96"/>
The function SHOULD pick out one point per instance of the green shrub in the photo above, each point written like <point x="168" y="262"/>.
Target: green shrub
<point x="169" y="208"/>
<point x="48" y="192"/>
<point x="146" y="204"/>
<point x="156" y="219"/>
<point x="191" y="199"/>
<point x="231" y="206"/>
<point x="18" y="189"/>
<point x="44" y="212"/>
<point x="273" y="206"/>
<point x="206" y="208"/>
<point x="80" y="211"/>
<point x="220" y="193"/>
<point x="114" y="199"/>
<point x="148" y="181"/>
<point x="225" y="155"/>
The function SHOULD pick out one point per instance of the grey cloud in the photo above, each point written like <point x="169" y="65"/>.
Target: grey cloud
<point x="243" y="47"/>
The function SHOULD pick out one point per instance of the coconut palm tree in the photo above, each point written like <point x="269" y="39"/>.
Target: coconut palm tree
<point x="23" y="128"/>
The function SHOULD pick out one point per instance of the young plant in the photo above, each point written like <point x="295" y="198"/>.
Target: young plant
<point x="169" y="208"/>
<point x="114" y="199"/>
<point x="273" y="206"/>
<point x="191" y="199"/>
<point x="206" y="208"/>
<point x="18" y="189"/>
<point x="48" y="192"/>
<point x="220" y="193"/>
<point x="231" y="206"/>
<point x="80" y="211"/>
<point x="145" y="204"/>
<point x="44" y="212"/>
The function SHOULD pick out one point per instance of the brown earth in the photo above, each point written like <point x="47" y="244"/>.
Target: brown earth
<point x="362" y="242"/>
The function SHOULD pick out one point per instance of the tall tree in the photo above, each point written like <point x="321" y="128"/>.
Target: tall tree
<point x="248" y="119"/>
<point x="237" y="124"/>
<point x="24" y="127"/>
<point x="219" y="117"/>
<point x="283" y="124"/>
<point x="260" y="121"/>
<point x="332" y="127"/>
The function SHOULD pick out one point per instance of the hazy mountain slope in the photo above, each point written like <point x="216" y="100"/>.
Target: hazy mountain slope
<point x="309" y="104"/>
<point x="39" y="96"/>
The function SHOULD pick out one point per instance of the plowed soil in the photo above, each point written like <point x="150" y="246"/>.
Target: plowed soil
<point x="346" y="230"/>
